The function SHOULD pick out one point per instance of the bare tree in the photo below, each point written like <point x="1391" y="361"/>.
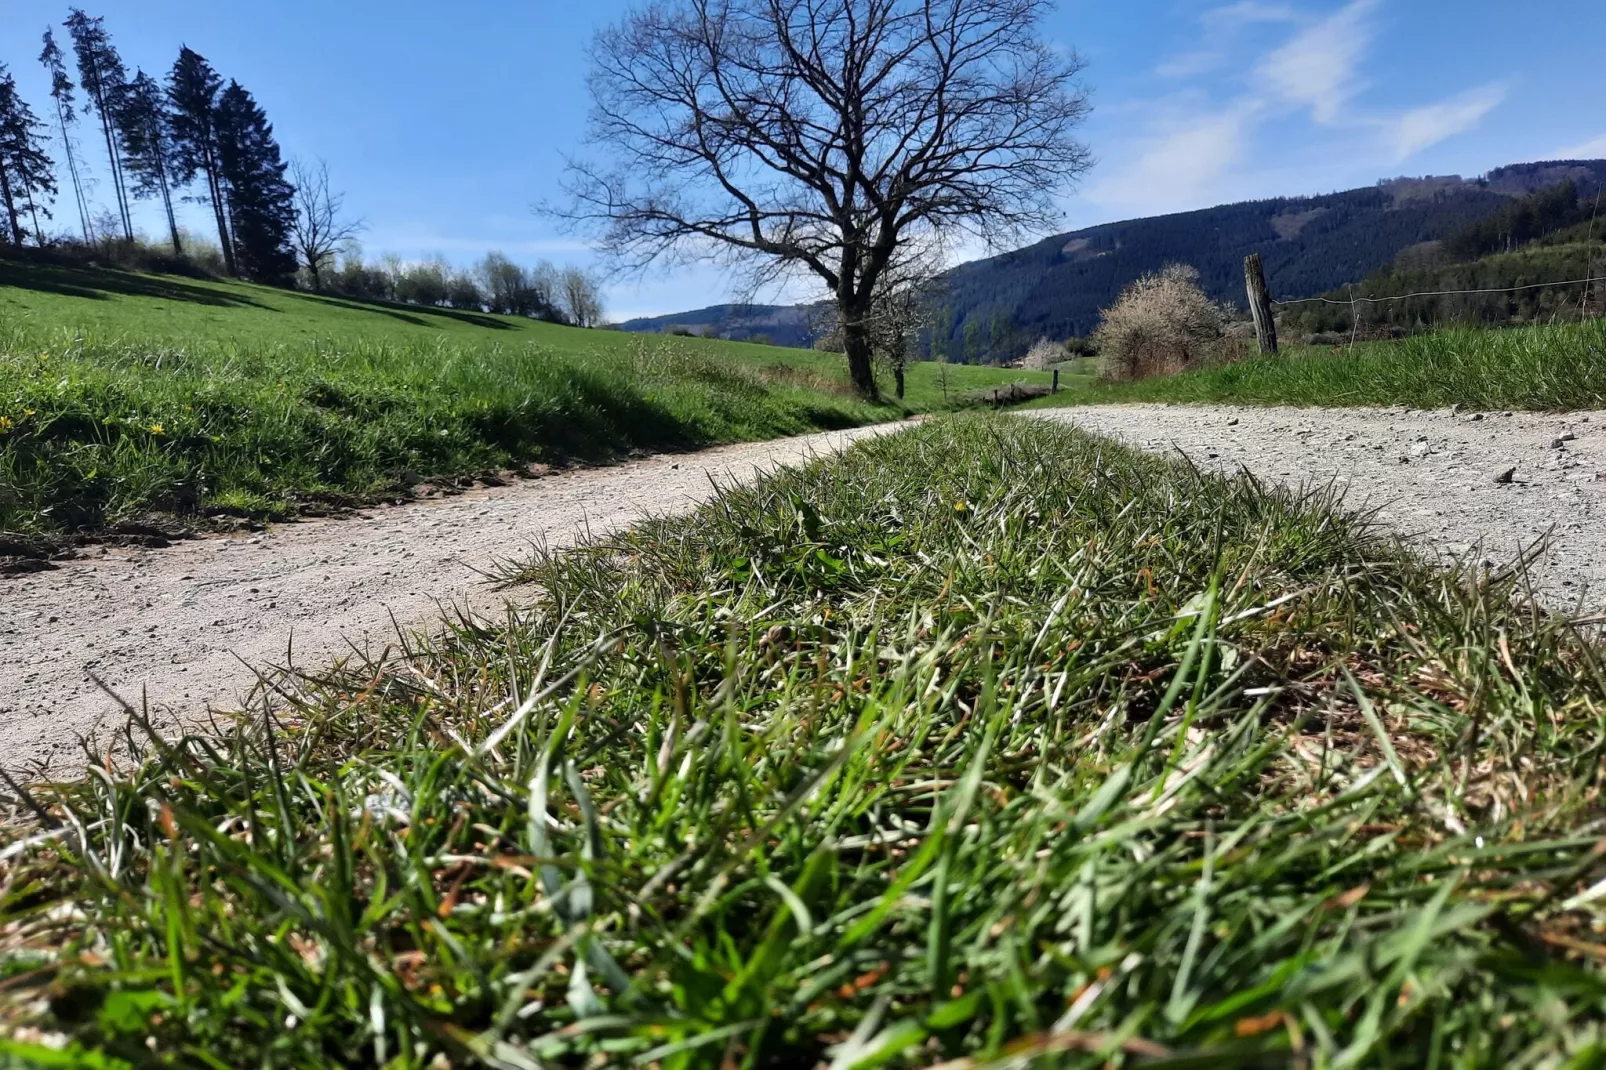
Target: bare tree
<point x="582" y="298"/>
<point x="901" y="307"/>
<point x="320" y="227"/>
<point x="816" y="137"/>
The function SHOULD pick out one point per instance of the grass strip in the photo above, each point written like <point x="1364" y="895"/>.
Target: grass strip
<point x="1546" y="368"/>
<point x="983" y="744"/>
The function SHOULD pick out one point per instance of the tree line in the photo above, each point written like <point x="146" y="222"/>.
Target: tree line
<point x="494" y="284"/>
<point x="194" y="136"/>
<point x="190" y="134"/>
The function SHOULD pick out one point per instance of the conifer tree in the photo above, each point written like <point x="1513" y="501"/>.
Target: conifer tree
<point x="192" y="97"/>
<point x="61" y="91"/>
<point x="261" y="201"/>
<point x="147" y="144"/>
<point x="104" y="78"/>
<point x="26" y="172"/>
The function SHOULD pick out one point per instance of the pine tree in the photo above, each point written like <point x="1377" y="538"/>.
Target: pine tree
<point x="104" y="78"/>
<point x="26" y="172"/>
<point x="148" y="145"/>
<point x="192" y="97"/>
<point x="261" y="202"/>
<point x="61" y="91"/>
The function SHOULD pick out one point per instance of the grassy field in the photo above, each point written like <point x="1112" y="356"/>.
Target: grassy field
<point x="1545" y="368"/>
<point x="984" y="744"/>
<point x="125" y="394"/>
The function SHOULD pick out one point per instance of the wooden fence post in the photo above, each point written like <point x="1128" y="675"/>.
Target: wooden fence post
<point x="1260" y="304"/>
<point x="1056" y="389"/>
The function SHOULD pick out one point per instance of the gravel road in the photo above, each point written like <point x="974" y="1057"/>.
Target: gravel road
<point x="179" y="625"/>
<point x="1430" y="475"/>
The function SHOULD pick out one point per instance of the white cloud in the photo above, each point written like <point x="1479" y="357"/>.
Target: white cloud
<point x="1594" y="149"/>
<point x="1244" y="13"/>
<point x="1421" y="127"/>
<point x="1179" y="168"/>
<point x="1317" y="67"/>
<point x="1221" y="27"/>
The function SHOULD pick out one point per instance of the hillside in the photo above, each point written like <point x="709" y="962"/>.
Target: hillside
<point x="1531" y="262"/>
<point x="1310" y="245"/>
<point x="129" y="394"/>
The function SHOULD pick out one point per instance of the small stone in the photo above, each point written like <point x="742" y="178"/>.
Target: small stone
<point x="1567" y="436"/>
<point x="1232" y="421"/>
<point x="1557" y="443"/>
<point x="1475" y="417"/>
<point x="1506" y="476"/>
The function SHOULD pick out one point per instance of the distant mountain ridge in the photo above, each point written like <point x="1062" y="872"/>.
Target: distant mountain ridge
<point x="782" y="325"/>
<point x="1055" y="287"/>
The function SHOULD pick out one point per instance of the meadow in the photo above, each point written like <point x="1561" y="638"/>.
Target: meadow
<point x="124" y="395"/>
<point x="985" y="744"/>
<point x="1548" y="368"/>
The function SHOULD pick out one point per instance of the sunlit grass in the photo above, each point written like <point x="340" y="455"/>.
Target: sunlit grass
<point x="1545" y="368"/>
<point x="123" y="395"/>
<point x="988" y="741"/>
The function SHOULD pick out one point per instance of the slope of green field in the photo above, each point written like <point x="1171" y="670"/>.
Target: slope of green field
<point x="123" y="394"/>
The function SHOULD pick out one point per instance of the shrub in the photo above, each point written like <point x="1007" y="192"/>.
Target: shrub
<point x="199" y="260"/>
<point x="1043" y="355"/>
<point x="1161" y="324"/>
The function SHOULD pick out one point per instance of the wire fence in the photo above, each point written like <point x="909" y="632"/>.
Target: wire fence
<point x="1346" y="302"/>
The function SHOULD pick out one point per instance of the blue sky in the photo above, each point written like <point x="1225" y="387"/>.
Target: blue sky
<point x="445" y="123"/>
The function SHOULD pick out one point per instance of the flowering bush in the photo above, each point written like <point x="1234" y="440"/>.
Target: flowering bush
<point x="1161" y="324"/>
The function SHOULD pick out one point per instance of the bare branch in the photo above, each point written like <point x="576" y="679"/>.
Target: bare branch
<point x="320" y="227"/>
<point x="822" y="137"/>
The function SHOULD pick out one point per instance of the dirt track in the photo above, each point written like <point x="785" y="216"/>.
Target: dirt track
<point x="181" y="624"/>
<point x="1430" y="475"/>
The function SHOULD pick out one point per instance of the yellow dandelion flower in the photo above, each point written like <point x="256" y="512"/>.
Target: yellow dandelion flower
<point x="5" y="424"/>
<point x="156" y="429"/>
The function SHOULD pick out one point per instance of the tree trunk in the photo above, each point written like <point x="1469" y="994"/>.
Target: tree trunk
<point x="11" y="207"/>
<point x="897" y="377"/>
<point x="167" y="202"/>
<point x="215" y="189"/>
<point x="116" y="169"/>
<point x="856" y="344"/>
<point x="38" y="231"/>
<point x="857" y="347"/>
<point x="72" y="171"/>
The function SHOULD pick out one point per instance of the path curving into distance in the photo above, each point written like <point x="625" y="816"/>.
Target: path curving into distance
<point x="179" y="626"/>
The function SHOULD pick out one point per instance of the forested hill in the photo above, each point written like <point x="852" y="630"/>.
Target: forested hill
<point x="1056" y="287"/>
<point x="782" y="325"/>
